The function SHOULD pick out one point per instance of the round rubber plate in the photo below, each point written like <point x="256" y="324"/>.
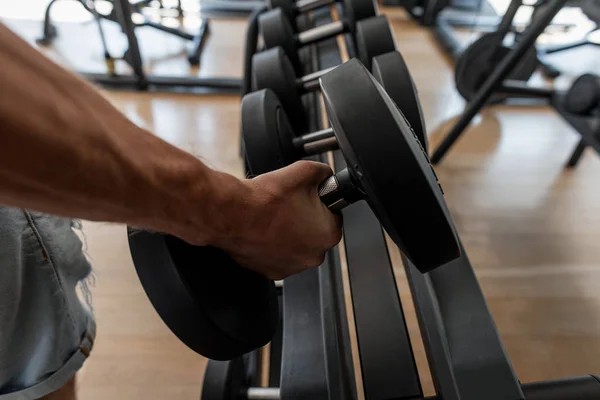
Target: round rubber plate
<point x="478" y="61"/>
<point x="277" y="31"/>
<point x="584" y="94"/>
<point x="288" y="8"/>
<point x="217" y="308"/>
<point x="389" y="165"/>
<point x="373" y="37"/>
<point x="391" y="71"/>
<point x="273" y="70"/>
<point x="223" y="380"/>
<point x="357" y="10"/>
<point x="266" y="133"/>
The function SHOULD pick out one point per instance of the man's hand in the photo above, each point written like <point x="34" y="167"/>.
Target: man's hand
<point x="274" y="224"/>
<point x="287" y="228"/>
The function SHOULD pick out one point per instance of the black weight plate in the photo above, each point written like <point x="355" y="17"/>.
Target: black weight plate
<point x="266" y="133"/>
<point x="478" y="61"/>
<point x="373" y="37"/>
<point x="223" y="380"/>
<point x="277" y="31"/>
<point x="357" y="10"/>
<point x="389" y="165"/>
<point x="288" y="8"/>
<point x="391" y="71"/>
<point x="273" y="70"/>
<point x="217" y="308"/>
<point x="584" y="95"/>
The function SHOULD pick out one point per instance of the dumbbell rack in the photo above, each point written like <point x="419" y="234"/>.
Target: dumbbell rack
<point x="466" y="356"/>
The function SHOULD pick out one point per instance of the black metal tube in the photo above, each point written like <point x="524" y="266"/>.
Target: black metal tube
<point x="577" y="153"/>
<point x="509" y="15"/>
<point x="167" y="29"/>
<point x="213" y="85"/>
<point x="520" y="88"/>
<point x="48" y="35"/>
<point x="498" y="75"/>
<point x="198" y="42"/>
<point x="568" y="46"/>
<point x="133" y="56"/>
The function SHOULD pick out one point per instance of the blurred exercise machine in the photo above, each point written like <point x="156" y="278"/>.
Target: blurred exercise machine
<point x="497" y="82"/>
<point x="122" y="13"/>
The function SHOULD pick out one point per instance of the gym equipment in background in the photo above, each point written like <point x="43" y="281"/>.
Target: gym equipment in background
<point x="50" y="32"/>
<point x="272" y="69"/>
<point x="269" y="147"/>
<point x="121" y="13"/>
<point x="475" y="64"/>
<point x="223" y="310"/>
<point x="445" y="15"/>
<point x="497" y="83"/>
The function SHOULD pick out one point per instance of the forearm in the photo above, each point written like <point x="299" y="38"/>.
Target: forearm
<point x="65" y="150"/>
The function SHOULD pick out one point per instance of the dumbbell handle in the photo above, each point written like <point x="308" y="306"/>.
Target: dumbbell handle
<point x="303" y="6"/>
<point x="320" y="32"/>
<point x="310" y="82"/>
<point x="339" y="191"/>
<point x="317" y="142"/>
<point x="262" y="393"/>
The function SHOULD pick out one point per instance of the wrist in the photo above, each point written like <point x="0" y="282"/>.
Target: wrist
<point x="203" y="206"/>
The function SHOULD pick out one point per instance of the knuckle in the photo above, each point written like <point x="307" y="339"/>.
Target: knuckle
<point x="334" y="238"/>
<point x="316" y="261"/>
<point x="313" y="167"/>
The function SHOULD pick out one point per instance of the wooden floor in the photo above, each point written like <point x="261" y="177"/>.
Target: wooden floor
<point x="530" y="227"/>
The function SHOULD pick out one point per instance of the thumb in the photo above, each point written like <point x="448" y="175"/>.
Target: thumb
<point x="311" y="173"/>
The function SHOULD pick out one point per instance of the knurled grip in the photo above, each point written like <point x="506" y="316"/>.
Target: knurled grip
<point x="329" y="186"/>
<point x="338" y="191"/>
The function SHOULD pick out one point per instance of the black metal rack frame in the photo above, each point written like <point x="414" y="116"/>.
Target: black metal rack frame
<point x="457" y="328"/>
<point x="466" y="356"/>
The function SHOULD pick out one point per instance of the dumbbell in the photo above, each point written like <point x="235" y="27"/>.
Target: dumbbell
<point x="222" y="310"/>
<point x="583" y="97"/>
<point x="292" y="9"/>
<point x="276" y="31"/>
<point x="272" y="70"/>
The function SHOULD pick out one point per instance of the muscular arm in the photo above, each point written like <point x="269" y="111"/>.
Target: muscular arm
<point x="65" y="150"/>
